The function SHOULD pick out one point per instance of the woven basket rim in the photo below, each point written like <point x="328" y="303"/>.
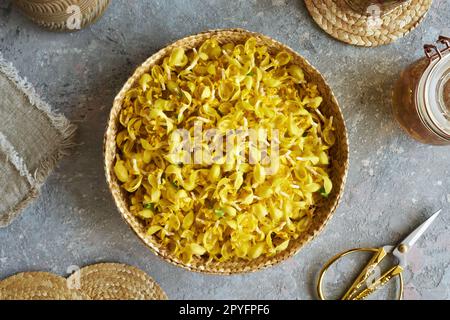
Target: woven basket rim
<point x="114" y="187"/>
<point x="43" y="15"/>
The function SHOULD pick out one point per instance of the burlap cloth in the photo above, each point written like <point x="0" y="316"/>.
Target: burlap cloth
<point x="32" y="139"/>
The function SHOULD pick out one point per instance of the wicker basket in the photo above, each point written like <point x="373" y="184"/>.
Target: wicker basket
<point x="339" y="156"/>
<point x="63" y="15"/>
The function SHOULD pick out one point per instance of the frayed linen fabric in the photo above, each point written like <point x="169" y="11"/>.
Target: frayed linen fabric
<point x="33" y="139"/>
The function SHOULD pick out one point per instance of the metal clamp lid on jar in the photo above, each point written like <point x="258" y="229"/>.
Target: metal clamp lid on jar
<point x="432" y="99"/>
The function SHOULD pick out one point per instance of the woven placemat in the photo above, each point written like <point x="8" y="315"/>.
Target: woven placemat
<point x="38" y="286"/>
<point x="114" y="281"/>
<point x="347" y="25"/>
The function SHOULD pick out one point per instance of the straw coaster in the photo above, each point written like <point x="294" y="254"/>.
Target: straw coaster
<point x="37" y="286"/>
<point x="114" y="281"/>
<point x="347" y="25"/>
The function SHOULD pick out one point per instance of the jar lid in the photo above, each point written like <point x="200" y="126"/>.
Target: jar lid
<point x="433" y="99"/>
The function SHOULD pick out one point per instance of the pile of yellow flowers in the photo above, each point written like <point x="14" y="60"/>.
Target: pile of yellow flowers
<point x="229" y="208"/>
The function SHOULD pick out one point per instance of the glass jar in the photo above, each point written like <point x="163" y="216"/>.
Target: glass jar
<point x="421" y="96"/>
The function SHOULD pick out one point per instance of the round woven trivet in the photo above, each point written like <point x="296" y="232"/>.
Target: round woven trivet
<point x="114" y="281"/>
<point x="338" y="153"/>
<point x="59" y="15"/>
<point x="347" y="25"/>
<point x="38" y="286"/>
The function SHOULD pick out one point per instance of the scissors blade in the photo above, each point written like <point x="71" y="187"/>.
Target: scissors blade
<point x="410" y="240"/>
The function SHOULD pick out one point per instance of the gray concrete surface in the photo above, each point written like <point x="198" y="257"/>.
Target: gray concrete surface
<point x="394" y="183"/>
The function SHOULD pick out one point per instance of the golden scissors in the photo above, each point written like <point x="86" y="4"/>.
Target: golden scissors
<point x="361" y="286"/>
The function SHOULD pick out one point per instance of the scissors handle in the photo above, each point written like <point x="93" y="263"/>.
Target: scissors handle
<point x="354" y="291"/>
<point x="380" y="282"/>
<point x="379" y="255"/>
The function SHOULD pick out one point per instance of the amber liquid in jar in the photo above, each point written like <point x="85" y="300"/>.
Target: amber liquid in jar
<point x="447" y="95"/>
<point x="405" y="104"/>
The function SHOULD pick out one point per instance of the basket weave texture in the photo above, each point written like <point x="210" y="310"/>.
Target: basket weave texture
<point x="342" y="22"/>
<point x="54" y="14"/>
<point x="339" y="156"/>
<point x="115" y="281"/>
<point x="103" y="281"/>
<point x="38" y="286"/>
